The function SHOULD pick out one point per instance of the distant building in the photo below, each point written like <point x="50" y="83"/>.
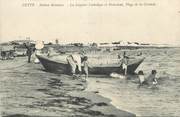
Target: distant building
<point x="20" y="42"/>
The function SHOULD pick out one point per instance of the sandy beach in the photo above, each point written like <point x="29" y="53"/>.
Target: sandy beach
<point x="29" y="91"/>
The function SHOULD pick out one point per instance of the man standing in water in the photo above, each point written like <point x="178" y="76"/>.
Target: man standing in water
<point x="85" y="67"/>
<point x="125" y="63"/>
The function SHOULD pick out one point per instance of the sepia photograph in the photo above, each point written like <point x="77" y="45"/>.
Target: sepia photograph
<point x="90" y="58"/>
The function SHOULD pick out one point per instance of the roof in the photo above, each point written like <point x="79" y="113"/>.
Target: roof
<point x="6" y="47"/>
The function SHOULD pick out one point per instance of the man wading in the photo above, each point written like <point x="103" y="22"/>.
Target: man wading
<point x="125" y="63"/>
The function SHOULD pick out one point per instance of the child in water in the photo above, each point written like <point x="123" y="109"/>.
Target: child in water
<point x="85" y="68"/>
<point x="152" y="79"/>
<point x="141" y="78"/>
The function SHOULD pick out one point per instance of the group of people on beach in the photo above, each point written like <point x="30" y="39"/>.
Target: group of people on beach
<point x="79" y="60"/>
<point x="79" y="65"/>
<point x="151" y="80"/>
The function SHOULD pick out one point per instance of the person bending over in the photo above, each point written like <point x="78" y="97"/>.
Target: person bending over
<point x="75" y="61"/>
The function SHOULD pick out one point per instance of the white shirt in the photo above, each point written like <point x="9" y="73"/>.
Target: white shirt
<point x="141" y="78"/>
<point x="77" y="59"/>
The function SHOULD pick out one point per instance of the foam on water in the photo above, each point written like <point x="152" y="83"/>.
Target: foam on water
<point x="161" y="101"/>
<point x="164" y="101"/>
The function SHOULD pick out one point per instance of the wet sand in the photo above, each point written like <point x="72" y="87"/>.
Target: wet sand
<point x="29" y="91"/>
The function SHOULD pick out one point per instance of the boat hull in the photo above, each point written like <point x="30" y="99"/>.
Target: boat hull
<point x="64" y="68"/>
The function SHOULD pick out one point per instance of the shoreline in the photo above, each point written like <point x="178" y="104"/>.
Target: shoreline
<point x="97" y="85"/>
<point x="29" y="91"/>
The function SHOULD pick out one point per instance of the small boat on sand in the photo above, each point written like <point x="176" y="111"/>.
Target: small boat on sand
<point x="63" y="67"/>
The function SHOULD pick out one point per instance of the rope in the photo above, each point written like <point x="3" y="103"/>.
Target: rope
<point x="15" y="67"/>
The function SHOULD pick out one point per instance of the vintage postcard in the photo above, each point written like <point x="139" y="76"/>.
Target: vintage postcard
<point x="89" y="58"/>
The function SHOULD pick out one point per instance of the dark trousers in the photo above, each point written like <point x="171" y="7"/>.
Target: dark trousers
<point x="29" y="58"/>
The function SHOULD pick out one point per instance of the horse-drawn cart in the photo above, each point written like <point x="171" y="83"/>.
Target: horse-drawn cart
<point x="7" y="52"/>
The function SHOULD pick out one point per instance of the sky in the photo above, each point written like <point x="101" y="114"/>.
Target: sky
<point x="147" y="24"/>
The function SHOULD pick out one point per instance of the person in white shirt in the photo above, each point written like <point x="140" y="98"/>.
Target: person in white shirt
<point x="141" y="78"/>
<point x="75" y="61"/>
<point x="125" y="63"/>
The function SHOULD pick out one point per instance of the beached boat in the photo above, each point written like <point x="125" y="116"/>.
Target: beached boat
<point x="64" y="68"/>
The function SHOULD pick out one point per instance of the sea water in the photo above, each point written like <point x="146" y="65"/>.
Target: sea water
<point x="164" y="101"/>
<point x="161" y="101"/>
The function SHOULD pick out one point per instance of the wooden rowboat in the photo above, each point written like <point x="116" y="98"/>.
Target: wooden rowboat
<point x="64" y="68"/>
